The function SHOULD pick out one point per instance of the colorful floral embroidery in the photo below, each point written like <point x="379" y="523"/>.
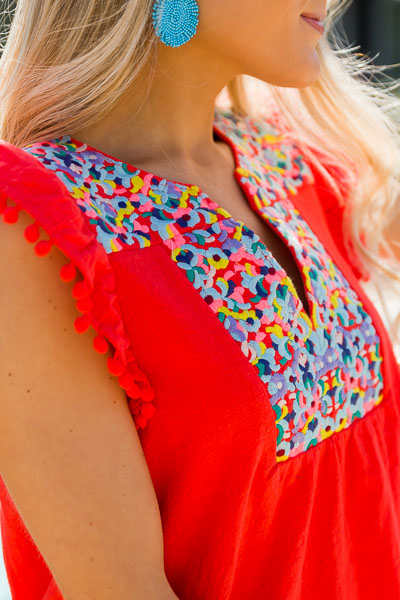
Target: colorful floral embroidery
<point x="320" y="373"/>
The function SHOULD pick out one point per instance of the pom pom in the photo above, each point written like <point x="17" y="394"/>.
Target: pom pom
<point x="31" y="233"/>
<point x="147" y="394"/>
<point x="43" y="247"/>
<point x="80" y="290"/>
<point x="115" y="366"/>
<point x="100" y="344"/>
<point x="134" y="390"/>
<point x="84" y="304"/>
<point x="10" y="214"/>
<point x="140" y="421"/>
<point x="68" y="272"/>
<point x="147" y="410"/>
<point x="126" y="380"/>
<point x="82" y="324"/>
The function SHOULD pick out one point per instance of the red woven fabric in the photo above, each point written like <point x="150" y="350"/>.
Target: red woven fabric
<point x="237" y="524"/>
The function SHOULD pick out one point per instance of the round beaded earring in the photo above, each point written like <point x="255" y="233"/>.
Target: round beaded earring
<point x="175" y="21"/>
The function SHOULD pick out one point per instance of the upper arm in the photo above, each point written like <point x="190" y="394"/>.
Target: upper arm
<point x="70" y="454"/>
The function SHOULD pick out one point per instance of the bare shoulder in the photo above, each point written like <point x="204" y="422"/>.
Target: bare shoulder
<point x="70" y="453"/>
<point x="39" y="345"/>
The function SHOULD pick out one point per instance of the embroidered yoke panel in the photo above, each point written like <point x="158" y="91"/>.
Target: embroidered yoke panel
<point x="321" y="373"/>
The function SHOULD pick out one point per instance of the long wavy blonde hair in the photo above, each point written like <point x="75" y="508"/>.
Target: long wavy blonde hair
<point x="64" y="65"/>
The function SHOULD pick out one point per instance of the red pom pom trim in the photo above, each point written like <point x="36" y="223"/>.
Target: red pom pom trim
<point x="100" y="344"/>
<point x="80" y="290"/>
<point x="84" y="304"/>
<point x="43" y="247"/>
<point x="32" y="232"/>
<point x="128" y="372"/>
<point x="147" y="410"/>
<point x="147" y="394"/>
<point x="126" y="380"/>
<point x="134" y="390"/>
<point x="68" y="272"/>
<point x="140" y="421"/>
<point x="10" y="214"/>
<point x="82" y="324"/>
<point x="116" y="367"/>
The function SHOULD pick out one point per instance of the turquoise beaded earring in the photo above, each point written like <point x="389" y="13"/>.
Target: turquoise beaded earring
<point x="175" y="21"/>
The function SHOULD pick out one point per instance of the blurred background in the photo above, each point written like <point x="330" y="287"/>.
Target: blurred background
<point x="374" y="25"/>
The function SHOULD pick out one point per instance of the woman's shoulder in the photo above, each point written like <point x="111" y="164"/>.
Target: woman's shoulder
<point x="27" y="187"/>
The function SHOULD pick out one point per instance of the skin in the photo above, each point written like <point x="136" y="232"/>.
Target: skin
<point x="49" y="474"/>
<point x="70" y="454"/>
<point x="171" y="133"/>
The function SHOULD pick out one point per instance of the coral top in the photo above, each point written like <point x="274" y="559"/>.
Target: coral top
<point x="272" y="437"/>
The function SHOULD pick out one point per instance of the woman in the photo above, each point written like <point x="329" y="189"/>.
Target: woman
<point x="240" y="436"/>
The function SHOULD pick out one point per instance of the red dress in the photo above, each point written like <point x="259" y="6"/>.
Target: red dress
<point x="271" y="429"/>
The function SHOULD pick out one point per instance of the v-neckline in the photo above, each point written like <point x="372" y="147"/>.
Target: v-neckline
<point x="238" y="153"/>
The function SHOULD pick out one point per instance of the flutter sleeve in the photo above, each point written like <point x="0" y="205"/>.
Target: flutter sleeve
<point x="26" y="184"/>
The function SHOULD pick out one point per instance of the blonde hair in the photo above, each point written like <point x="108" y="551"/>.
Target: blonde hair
<point x="65" y="64"/>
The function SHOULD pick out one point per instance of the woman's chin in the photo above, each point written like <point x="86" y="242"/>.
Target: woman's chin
<point x="299" y="80"/>
<point x="302" y="73"/>
<point x="305" y="75"/>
